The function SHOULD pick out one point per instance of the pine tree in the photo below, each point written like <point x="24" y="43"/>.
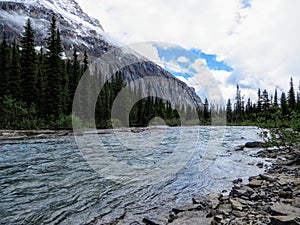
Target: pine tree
<point x="206" y="112"/>
<point x="298" y="99"/>
<point x="85" y="62"/>
<point x="275" y="103"/>
<point x="265" y="101"/>
<point x="28" y="65"/>
<point x="258" y="101"/>
<point x="54" y="73"/>
<point x="4" y="68"/>
<point x="238" y="109"/>
<point x="283" y="104"/>
<point x="15" y="73"/>
<point x="229" y="111"/>
<point x="291" y="97"/>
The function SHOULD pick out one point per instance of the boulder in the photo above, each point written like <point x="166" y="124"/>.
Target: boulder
<point x="149" y="222"/>
<point x="192" y="217"/>
<point x="285" y="220"/>
<point x="255" y="183"/>
<point x="254" y="144"/>
<point x="236" y="205"/>
<point x="243" y="191"/>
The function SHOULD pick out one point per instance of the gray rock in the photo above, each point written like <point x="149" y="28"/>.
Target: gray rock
<point x="239" y="213"/>
<point x="255" y="183"/>
<point x="149" y="222"/>
<point x="254" y="144"/>
<point x="243" y="191"/>
<point x="285" y="220"/>
<point x="236" y="205"/>
<point x="192" y="218"/>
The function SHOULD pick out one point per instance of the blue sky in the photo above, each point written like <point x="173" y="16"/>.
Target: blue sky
<point x="246" y="3"/>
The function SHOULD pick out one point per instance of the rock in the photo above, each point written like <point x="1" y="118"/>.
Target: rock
<point x="285" y="220"/>
<point x="243" y="191"/>
<point x="236" y="205"/>
<point x="285" y="194"/>
<point x="211" y="213"/>
<point x="280" y="209"/>
<point x="240" y="148"/>
<point x="236" y="181"/>
<point x="218" y="218"/>
<point x="187" y="208"/>
<point x="192" y="217"/>
<point x="260" y="165"/>
<point x="254" y="144"/>
<point x="224" y="208"/>
<point x="239" y="213"/>
<point x="214" y="204"/>
<point x="149" y="222"/>
<point x="255" y="183"/>
<point x="284" y="180"/>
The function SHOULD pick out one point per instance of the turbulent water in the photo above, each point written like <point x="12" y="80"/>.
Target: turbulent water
<point x="57" y="181"/>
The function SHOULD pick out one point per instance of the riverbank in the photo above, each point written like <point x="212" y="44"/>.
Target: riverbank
<point x="269" y="198"/>
<point x="7" y="135"/>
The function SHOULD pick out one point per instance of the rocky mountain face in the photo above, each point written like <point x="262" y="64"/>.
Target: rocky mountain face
<point x="82" y="32"/>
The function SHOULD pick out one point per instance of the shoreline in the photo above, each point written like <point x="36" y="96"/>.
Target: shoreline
<point x="269" y="198"/>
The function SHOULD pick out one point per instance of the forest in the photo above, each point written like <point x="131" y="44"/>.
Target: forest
<point x="37" y="87"/>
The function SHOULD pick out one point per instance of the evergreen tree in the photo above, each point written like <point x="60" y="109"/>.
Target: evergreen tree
<point x="265" y="101"/>
<point x="85" y="62"/>
<point x="238" y="109"/>
<point x="4" y="68"/>
<point x="206" y="112"/>
<point x="291" y="97"/>
<point x="229" y="114"/>
<point x="15" y="73"/>
<point x="283" y="104"/>
<point x="54" y="73"/>
<point x="258" y="101"/>
<point x="298" y="98"/>
<point x="275" y="103"/>
<point x="28" y="65"/>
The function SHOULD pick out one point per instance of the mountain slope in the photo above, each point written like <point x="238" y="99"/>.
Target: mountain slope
<point x="80" y="31"/>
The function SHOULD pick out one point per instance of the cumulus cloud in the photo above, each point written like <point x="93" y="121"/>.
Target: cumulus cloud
<point x="182" y="59"/>
<point x="259" y="39"/>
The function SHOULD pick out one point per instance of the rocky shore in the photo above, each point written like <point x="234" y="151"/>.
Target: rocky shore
<point x="8" y="135"/>
<point x="269" y="198"/>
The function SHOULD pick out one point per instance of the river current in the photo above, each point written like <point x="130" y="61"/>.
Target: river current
<point x="137" y="174"/>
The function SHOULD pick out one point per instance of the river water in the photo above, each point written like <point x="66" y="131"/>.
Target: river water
<point x="57" y="180"/>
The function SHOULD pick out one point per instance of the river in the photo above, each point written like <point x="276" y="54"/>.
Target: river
<point x="59" y="180"/>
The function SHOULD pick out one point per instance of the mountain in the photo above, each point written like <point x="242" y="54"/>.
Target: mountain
<point x="82" y="32"/>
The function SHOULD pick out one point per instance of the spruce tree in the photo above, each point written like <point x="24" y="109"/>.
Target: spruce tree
<point x="229" y="111"/>
<point x="283" y="104"/>
<point x="275" y="103"/>
<point x="258" y="101"/>
<point x="238" y="110"/>
<point x="15" y="73"/>
<point x="4" y="68"/>
<point x="54" y="73"/>
<point x="206" y="113"/>
<point x="28" y="65"/>
<point x="291" y="97"/>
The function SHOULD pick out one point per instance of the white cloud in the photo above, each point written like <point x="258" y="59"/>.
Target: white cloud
<point x="260" y="43"/>
<point x="183" y="59"/>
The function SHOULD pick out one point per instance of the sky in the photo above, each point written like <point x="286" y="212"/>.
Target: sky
<point x="253" y="43"/>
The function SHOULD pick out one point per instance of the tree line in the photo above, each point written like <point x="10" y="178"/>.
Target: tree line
<point x="37" y="88"/>
<point x="268" y="110"/>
